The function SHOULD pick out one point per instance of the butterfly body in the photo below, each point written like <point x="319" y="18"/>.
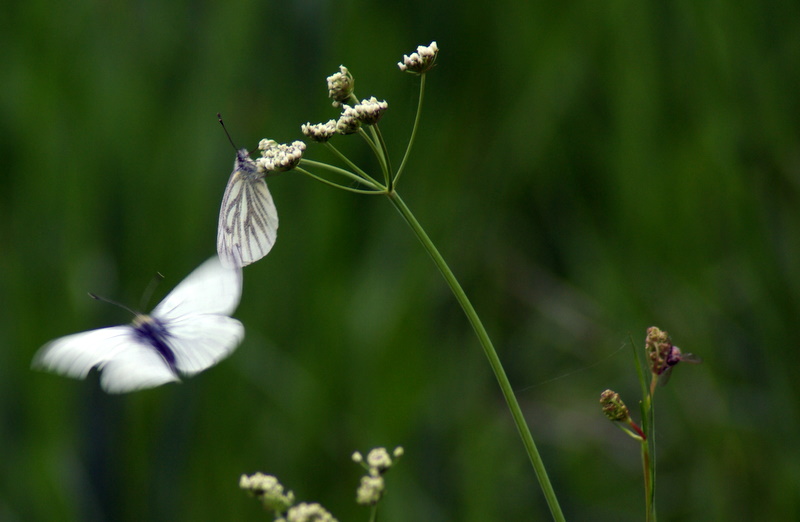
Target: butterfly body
<point x="188" y="332"/>
<point x="151" y="331"/>
<point x="248" y="219"/>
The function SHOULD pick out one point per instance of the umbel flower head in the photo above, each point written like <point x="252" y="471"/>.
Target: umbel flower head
<point x="372" y="486"/>
<point x="319" y="132"/>
<point x="340" y="86"/>
<point x="304" y="512"/>
<point x="268" y="490"/>
<point x="370" y="490"/>
<point x="370" y="111"/>
<point x="279" y="157"/>
<point x="348" y="122"/>
<point x="421" y="61"/>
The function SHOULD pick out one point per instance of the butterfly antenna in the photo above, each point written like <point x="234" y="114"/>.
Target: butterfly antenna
<point x="109" y="301"/>
<point x="148" y="292"/>
<point x="219" y="117"/>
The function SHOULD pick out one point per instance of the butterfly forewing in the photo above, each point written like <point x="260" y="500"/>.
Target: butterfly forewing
<point x="248" y="220"/>
<point x="210" y="289"/>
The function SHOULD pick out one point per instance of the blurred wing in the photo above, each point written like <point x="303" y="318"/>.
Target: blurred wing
<point x="248" y="220"/>
<point x="663" y="379"/>
<point x="125" y="363"/>
<point x="195" y="316"/>
<point x="202" y="340"/>
<point x="210" y="289"/>
<point x="74" y="355"/>
<point x="137" y="367"/>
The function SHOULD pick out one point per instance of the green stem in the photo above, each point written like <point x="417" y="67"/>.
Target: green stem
<point x="347" y="162"/>
<point x="336" y="170"/>
<point x="491" y="354"/>
<point x="413" y="131"/>
<point x="336" y="185"/>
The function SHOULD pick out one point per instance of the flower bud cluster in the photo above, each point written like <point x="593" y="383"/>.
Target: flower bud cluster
<point x="320" y="132"/>
<point x="372" y="486"/>
<point x="279" y="157"/>
<point x="421" y="61"/>
<point x="307" y="513"/>
<point x="659" y="347"/>
<point x="268" y="490"/>
<point x="340" y="86"/>
<point x="367" y="112"/>
<point x="613" y="407"/>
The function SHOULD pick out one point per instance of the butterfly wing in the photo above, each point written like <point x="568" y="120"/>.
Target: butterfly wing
<point x="195" y="316"/>
<point x="125" y="363"/>
<point x="210" y="289"/>
<point x="199" y="341"/>
<point x="248" y="219"/>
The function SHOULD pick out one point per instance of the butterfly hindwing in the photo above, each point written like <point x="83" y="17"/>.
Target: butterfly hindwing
<point x="248" y="219"/>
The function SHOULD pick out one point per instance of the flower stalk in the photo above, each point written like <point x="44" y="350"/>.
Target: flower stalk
<point x="352" y="120"/>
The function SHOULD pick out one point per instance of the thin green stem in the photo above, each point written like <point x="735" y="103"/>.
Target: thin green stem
<point x="417" y="118"/>
<point x="380" y="153"/>
<point x="651" y="483"/>
<point x="386" y="164"/>
<point x="349" y="163"/>
<point x="342" y="172"/>
<point x="337" y="185"/>
<point x="491" y="354"/>
<point x="647" y="480"/>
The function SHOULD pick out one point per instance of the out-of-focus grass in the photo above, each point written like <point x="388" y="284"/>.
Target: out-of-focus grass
<point x="588" y="170"/>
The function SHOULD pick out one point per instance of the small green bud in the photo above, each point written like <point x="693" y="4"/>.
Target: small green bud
<point x="613" y="407"/>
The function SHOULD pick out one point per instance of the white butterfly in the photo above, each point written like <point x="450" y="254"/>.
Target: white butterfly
<point x="248" y="220"/>
<point x="186" y="333"/>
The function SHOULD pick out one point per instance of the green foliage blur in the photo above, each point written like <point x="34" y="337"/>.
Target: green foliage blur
<point x="588" y="169"/>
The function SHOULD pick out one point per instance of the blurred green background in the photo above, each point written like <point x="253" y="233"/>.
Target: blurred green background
<point x="589" y="169"/>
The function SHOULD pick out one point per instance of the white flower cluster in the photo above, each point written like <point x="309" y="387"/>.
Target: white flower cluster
<point x="372" y="486"/>
<point x="278" y="157"/>
<point x="369" y="111"/>
<point x="307" y="513"/>
<point x="319" y="131"/>
<point x="340" y="86"/>
<point x="420" y="61"/>
<point x="370" y="491"/>
<point x="268" y="490"/>
<point x="348" y="122"/>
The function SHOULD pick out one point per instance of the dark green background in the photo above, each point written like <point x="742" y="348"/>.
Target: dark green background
<point x="588" y="168"/>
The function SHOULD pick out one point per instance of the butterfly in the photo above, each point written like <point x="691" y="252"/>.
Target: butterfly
<point x="248" y="220"/>
<point x="188" y="332"/>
